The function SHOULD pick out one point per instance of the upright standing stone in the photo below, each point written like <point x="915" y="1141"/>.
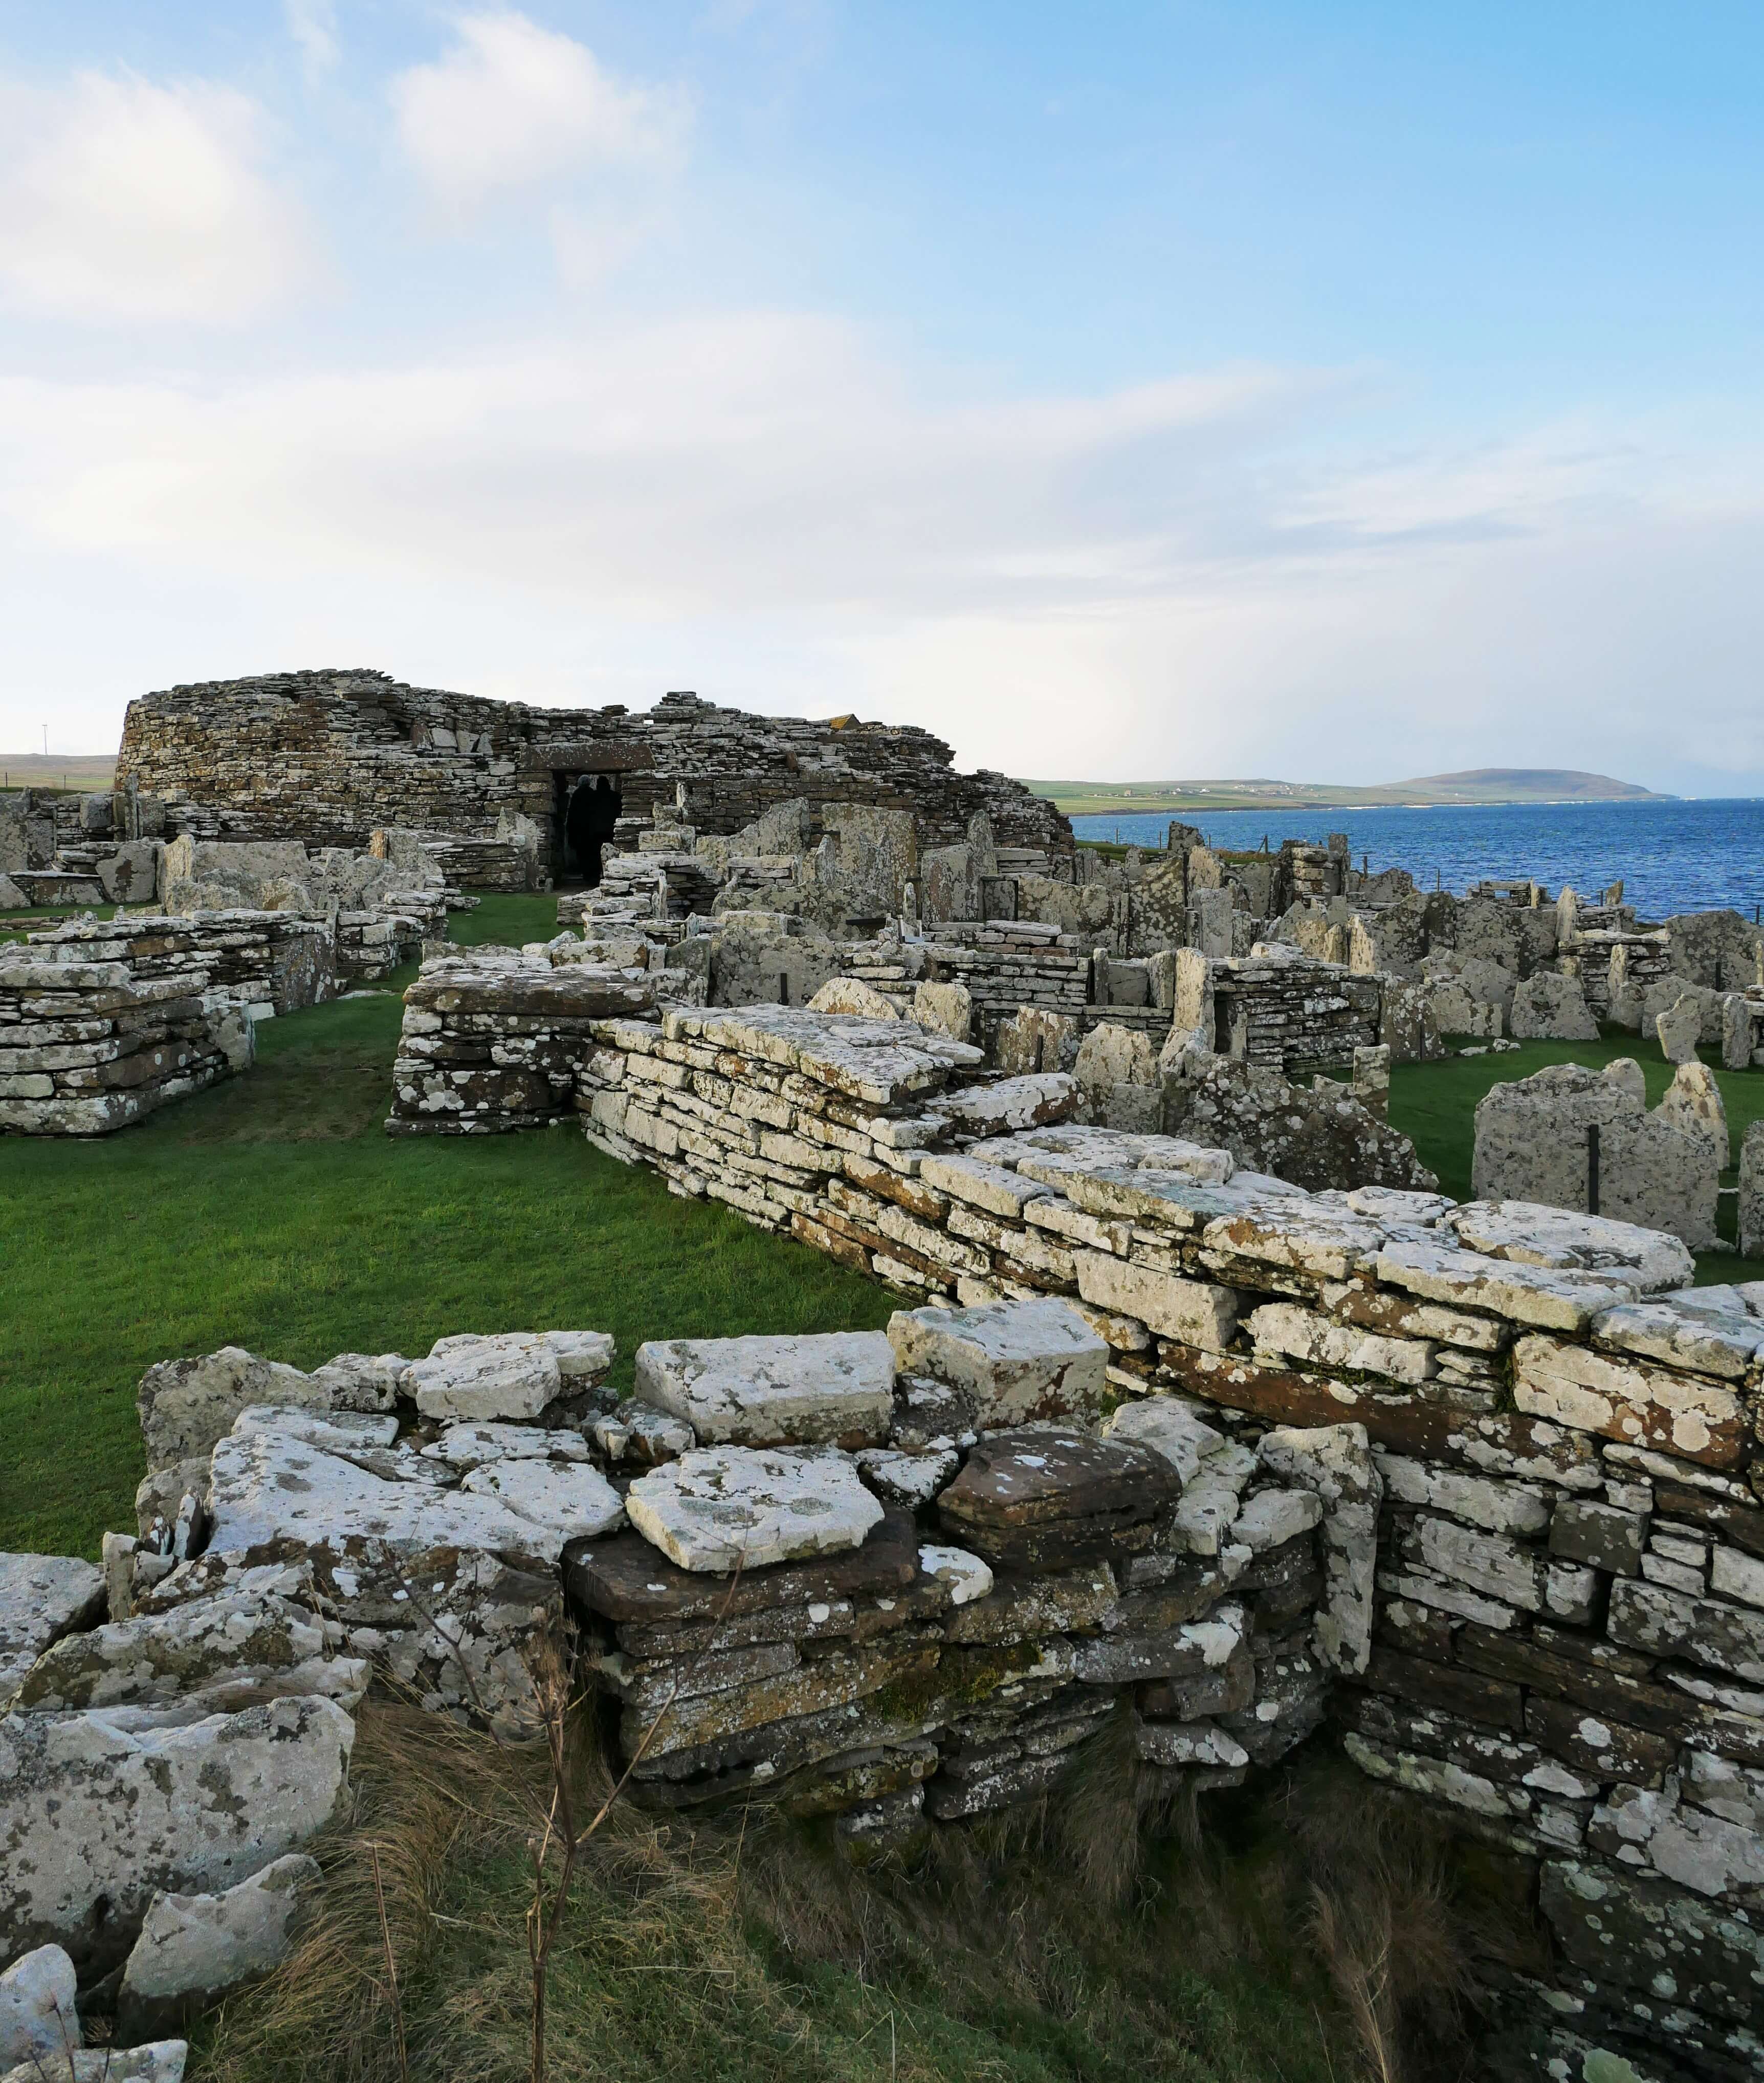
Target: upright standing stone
<point x="1752" y="1193"/>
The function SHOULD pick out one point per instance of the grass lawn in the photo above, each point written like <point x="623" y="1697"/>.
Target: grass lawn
<point x="1435" y="1105"/>
<point x="273" y="1212"/>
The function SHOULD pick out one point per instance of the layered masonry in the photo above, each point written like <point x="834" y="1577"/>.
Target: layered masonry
<point x="99" y="1028"/>
<point x="894" y="1578"/>
<point x="1568" y="1646"/>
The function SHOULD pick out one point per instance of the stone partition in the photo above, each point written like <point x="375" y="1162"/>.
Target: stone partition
<point x="96" y="1034"/>
<point x="1567" y="1620"/>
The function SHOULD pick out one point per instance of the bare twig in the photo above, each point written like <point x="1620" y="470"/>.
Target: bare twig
<point x="393" y="1997"/>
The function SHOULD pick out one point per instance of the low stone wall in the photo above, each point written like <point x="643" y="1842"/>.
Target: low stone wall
<point x="91" y="1040"/>
<point x="493" y="1043"/>
<point x="264" y="962"/>
<point x="1569" y="1610"/>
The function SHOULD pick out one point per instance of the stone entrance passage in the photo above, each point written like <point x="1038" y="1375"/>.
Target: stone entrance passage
<point x="586" y="808"/>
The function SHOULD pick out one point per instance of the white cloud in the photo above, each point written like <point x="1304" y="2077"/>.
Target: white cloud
<point x="313" y="25"/>
<point x="123" y="200"/>
<point x="1164" y="580"/>
<point x="512" y="103"/>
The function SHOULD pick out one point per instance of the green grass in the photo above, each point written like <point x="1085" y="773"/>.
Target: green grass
<point x="273" y="1212"/>
<point x="1435" y="1105"/>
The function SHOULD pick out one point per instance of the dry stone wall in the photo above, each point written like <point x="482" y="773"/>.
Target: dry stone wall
<point x="328" y="756"/>
<point x="1560" y="1641"/>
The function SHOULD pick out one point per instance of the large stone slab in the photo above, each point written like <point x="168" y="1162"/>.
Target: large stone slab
<point x="39" y="2012"/>
<point x="724" y="1508"/>
<point x="1630" y="1400"/>
<point x="1198" y="1312"/>
<point x="830" y="1387"/>
<point x="193" y="1948"/>
<point x="1018" y="1360"/>
<point x="570" y="1496"/>
<point x="270" y="1486"/>
<point x="510" y="1376"/>
<point x="1171" y="1427"/>
<point x="625" y="1578"/>
<point x="186" y="1405"/>
<point x="237" y="1647"/>
<point x="42" y="1597"/>
<point x="1039" y="1498"/>
<point x="101" y="1810"/>
<point x="1527" y="1233"/>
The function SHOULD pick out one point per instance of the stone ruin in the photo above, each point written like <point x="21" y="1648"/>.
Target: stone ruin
<point x="1576" y="1138"/>
<point x="328" y="757"/>
<point x="1471" y="1493"/>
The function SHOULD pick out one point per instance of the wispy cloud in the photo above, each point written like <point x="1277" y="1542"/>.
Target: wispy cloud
<point x="313" y="25"/>
<point x="511" y="104"/>
<point x="121" y="201"/>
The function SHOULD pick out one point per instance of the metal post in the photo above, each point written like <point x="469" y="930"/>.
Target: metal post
<point x="1592" y="1168"/>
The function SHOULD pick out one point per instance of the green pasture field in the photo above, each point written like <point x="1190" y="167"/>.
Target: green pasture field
<point x="273" y="1212"/>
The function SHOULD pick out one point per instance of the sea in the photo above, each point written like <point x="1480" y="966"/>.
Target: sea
<point x="1703" y="855"/>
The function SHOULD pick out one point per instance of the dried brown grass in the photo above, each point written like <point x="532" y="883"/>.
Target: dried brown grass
<point x="1107" y="1931"/>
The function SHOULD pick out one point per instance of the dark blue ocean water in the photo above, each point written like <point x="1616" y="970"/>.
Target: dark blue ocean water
<point x="1669" y="857"/>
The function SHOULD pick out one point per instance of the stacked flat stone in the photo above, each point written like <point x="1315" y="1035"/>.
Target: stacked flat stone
<point x="493" y="1041"/>
<point x="845" y="1622"/>
<point x="328" y="756"/>
<point x="95" y="1033"/>
<point x="371" y="945"/>
<point x="811" y="1123"/>
<point x="264" y="962"/>
<point x="1528" y="1377"/>
<point x="1005" y="966"/>
<point x="1279" y="1010"/>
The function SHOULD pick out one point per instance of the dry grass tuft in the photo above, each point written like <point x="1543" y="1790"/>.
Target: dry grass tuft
<point x="1105" y="1933"/>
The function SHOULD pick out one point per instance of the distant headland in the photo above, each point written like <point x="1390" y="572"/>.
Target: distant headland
<point x="1475" y="785"/>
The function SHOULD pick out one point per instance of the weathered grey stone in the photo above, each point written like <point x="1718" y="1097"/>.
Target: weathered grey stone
<point x="1693" y="1105"/>
<point x="42" y="1598"/>
<point x="1752" y="1191"/>
<point x="844" y="993"/>
<point x="1335" y="1462"/>
<point x="1528" y="1233"/>
<point x="101" y="1810"/>
<point x="469" y="1447"/>
<point x="186" y="1405"/>
<point x="909" y="1479"/>
<point x="964" y="1576"/>
<point x="569" y="1496"/>
<point x="512" y="1375"/>
<point x="1548" y="1007"/>
<point x="194" y="1948"/>
<point x="1735" y="1033"/>
<point x="130" y="874"/>
<point x="639" y="1432"/>
<point x="1169" y="1426"/>
<point x="227" y="1651"/>
<point x="270" y="1486"/>
<point x="1631" y="1401"/>
<point x="1680" y="1029"/>
<point x="725" y="1508"/>
<point x="1199" y="1312"/>
<point x="809" y="1390"/>
<point x="948" y="1008"/>
<point x="1018" y="1360"/>
<point x="362" y="1381"/>
<point x="39" y="2014"/>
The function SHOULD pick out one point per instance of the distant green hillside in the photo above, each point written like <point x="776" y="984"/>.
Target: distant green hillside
<point x="1477" y="784"/>
<point x="87" y="771"/>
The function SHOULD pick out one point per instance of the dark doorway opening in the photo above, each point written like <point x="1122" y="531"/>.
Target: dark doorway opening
<point x="588" y="806"/>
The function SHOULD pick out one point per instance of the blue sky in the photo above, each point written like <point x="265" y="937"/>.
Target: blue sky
<point x="1339" y="392"/>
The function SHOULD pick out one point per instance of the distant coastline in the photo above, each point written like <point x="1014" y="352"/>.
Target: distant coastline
<point x="1476" y="786"/>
